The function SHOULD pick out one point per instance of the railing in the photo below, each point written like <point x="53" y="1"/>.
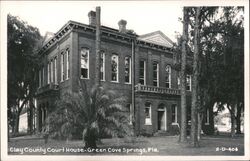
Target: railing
<point x="159" y="90"/>
<point x="48" y="87"/>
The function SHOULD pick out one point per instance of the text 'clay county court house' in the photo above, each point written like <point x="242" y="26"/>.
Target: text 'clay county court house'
<point x="142" y="68"/>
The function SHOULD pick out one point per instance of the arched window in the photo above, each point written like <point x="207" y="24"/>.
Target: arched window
<point x="114" y="68"/>
<point x="168" y="76"/>
<point x="148" y="118"/>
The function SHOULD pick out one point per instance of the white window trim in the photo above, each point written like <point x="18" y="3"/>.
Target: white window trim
<point x="48" y="73"/>
<point x="207" y="117"/>
<point x="130" y="65"/>
<point x="175" y="119"/>
<point x="145" y="75"/>
<point x="158" y="75"/>
<point x="43" y="75"/>
<point x="51" y="71"/>
<point x="67" y="64"/>
<point x="117" y="75"/>
<point x="148" y="121"/>
<point x="55" y="67"/>
<point x="88" y="64"/>
<point x="62" y="66"/>
<point x="103" y="66"/>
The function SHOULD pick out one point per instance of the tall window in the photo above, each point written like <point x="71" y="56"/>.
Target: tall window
<point x="48" y="72"/>
<point x="62" y="66"/>
<point x="127" y="69"/>
<point x="102" y="67"/>
<point x="168" y="76"/>
<point x="148" y="120"/>
<point x="207" y="117"/>
<point x="155" y="74"/>
<point x="43" y="76"/>
<point x="67" y="64"/>
<point x="40" y="78"/>
<point x="84" y="63"/>
<point x="142" y="72"/>
<point x="55" y="67"/>
<point x="174" y="114"/>
<point x="188" y="86"/>
<point x="178" y="81"/>
<point x="114" y="68"/>
<point x="51" y="71"/>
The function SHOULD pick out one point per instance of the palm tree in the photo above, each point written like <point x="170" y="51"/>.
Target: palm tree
<point x="97" y="113"/>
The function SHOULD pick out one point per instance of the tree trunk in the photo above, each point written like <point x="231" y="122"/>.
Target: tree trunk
<point x="232" y="120"/>
<point x="183" y="129"/>
<point x="16" y="126"/>
<point x="98" y="45"/>
<point x="238" y="119"/>
<point x="30" y="113"/>
<point x="194" y="112"/>
<point x="200" y="118"/>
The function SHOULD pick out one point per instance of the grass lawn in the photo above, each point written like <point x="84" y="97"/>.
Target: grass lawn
<point x="160" y="145"/>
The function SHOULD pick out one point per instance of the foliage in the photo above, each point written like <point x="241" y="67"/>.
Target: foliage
<point x="97" y="113"/>
<point x="22" y="44"/>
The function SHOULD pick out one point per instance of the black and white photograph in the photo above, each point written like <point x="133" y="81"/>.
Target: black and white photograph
<point x="124" y="80"/>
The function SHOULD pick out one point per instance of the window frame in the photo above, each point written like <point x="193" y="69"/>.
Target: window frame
<point x="175" y="122"/>
<point x="148" y="120"/>
<point x="102" y="65"/>
<point x="40" y="78"/>
<point x="157" y="71"/>
<point x="62" y="66"/>
<point x="117" y="73"/>
<point x="190" y="82"/>
<point x="169" y="76"/>
<point x="144" y="72"/>
<point x="55" y="70"/>
<point x="48" y="73"/>
<point x="67" y="63"/>
<point x="129" y="70"/>
<point x="51" y="71"/>
<point x="88" y="60"/>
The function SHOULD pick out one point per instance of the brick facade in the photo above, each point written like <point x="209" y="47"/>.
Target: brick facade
<point x="73" y="36"/>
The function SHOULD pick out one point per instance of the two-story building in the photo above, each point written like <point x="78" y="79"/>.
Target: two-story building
<point x="138" y="67"/>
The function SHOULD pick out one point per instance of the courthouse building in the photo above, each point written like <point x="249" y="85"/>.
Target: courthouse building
<point x="140" y="67"/>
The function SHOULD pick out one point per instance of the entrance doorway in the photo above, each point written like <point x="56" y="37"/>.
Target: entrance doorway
<point x="162" y="118"/>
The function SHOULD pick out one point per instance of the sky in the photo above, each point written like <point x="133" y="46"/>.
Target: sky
<point x="143" y="17"/>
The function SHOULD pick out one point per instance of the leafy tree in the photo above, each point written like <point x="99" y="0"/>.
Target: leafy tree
<point x="223" y="48"/>
<point x="97" y="113"/>
<point x="22" y="44"/>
